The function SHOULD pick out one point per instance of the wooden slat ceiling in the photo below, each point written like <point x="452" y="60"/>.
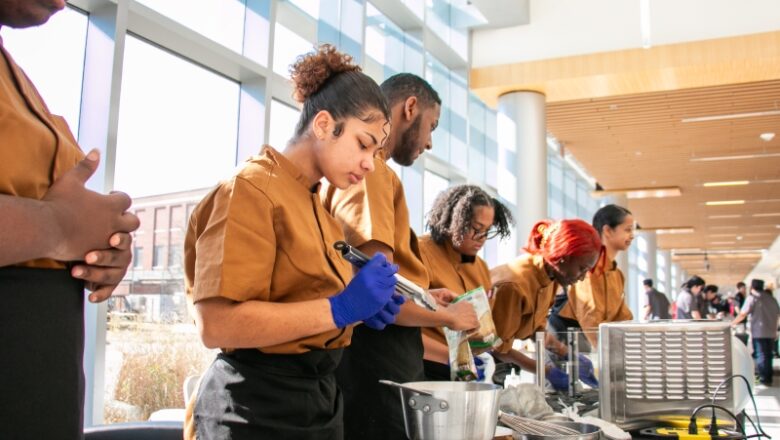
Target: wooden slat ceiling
<point x="640" y="141"/>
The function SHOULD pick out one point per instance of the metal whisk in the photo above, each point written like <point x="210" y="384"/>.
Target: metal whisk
<point x="525" y="425"/>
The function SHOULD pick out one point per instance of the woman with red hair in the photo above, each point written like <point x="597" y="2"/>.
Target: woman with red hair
<point x="558" y="254"/>
<point x="600" y="297"/>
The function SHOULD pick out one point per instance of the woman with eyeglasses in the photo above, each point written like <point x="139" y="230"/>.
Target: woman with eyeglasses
<point x="461" y="220"/>
<point x="559" y="254"/>
<point x="600" y="297"/>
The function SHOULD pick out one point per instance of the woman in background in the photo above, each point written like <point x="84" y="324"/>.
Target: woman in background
<point x="558" y="255"/>
<point x="461" y="220"/>
<point x="689" y="300"/>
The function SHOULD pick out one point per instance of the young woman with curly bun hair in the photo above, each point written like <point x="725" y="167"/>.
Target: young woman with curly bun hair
<point x="267" y="286"/>
<point x="461" y="220"/>
<point x="558" y="255"/>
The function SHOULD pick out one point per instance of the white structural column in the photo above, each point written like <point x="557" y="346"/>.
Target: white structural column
<point x="668" y="286"/>
<point x="529" y="161"/>
<point x="652" y="255"/>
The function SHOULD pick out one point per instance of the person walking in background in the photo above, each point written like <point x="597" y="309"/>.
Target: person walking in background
<point x="740" y="296"/>
<point x="709" y="306"/>
<point x="656" y="303"/>
<point x="763" y="311"/>
<point x="56" y="239"/>
<point x="687" y="302"/>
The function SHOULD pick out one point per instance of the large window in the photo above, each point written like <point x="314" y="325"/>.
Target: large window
<point x="218" y="20"/>
<point x="60" y="43"/>
<point x="283" y="121"/>
<point x="433" y="185"/>
<point x="177" y="122"/>
<point x="177" y="137"/>
<point x="287" y="47"/>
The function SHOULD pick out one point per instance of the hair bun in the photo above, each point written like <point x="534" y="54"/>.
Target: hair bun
<point x="312" y="70"/>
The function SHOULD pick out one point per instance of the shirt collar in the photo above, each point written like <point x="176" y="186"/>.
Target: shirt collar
<point x="541" y="273"/>
<point x="456" y="257"/>
<point x="289" y="167"/>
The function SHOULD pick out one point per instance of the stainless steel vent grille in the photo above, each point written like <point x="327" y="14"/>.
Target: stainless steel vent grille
<point x="676" y="365"/>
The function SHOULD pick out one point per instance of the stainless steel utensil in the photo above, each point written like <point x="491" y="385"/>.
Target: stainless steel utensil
<point x="403" y="287"/>
<point x="530" y="429"/>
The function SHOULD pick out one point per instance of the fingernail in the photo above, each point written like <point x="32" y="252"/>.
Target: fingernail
<point x="92" y="298"/>
<point x="77" y="272"/>
<point x="93" y="155"/>
<point x="114" y="240"/>
<point x="91" y="258"/>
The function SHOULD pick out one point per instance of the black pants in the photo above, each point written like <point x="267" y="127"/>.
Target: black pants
<point x="764" y="359"/>
<point x="42" y="340"/>
<point x="372" y="411"/>
<point x="247" y="394"/>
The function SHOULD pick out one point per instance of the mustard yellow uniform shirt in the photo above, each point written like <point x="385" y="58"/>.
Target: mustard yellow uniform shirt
<point x="600" y="297"/>
<point x="375" y="209"/>
<point x="37" y="147"/>
<point x="447" y="269"/>
<point x="264" y="236"/>
<point x="522" y="296"/>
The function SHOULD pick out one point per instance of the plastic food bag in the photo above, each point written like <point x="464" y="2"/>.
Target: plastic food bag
<point x="484" y="337"/>
<point x="462" y="366"/>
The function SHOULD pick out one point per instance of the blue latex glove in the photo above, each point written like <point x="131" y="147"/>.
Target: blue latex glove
<point x="558" y="378"/>
<point x="480" y="368"/>
<point x="586" y="371"/>
<point x="386" y="315"/>
<point x="367" y="293"/>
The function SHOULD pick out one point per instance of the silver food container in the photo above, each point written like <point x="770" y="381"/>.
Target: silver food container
<point x="452" y="411"/>
<point x="655" y="371"/>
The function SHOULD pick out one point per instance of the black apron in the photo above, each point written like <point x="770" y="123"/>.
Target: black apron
<point x="435" y="371"/>
<point x="42" y="342"/>
<point x="247" y="394"/>
<point x="372" y="410"/>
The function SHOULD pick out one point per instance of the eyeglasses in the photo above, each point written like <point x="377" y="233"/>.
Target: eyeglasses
<point x="487" y="234"/>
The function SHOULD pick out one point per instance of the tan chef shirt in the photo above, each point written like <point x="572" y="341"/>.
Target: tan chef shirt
<point x="598" y="298"/>
<point x="448" y="269"/>
<point x="522" y="296"/>
<point x="375" y="209"/>
<point x="264" y="236"/>
<point x="36" y="147"/>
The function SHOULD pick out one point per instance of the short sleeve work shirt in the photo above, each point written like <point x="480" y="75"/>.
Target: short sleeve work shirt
<point x="264" y="236"/>
<point x="447" y="268"/>
<point x="598" y="298"/>
<point x="522" y="296"/>
<point x="37" y="146"/>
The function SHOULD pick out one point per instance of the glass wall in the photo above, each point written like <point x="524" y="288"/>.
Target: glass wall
<point x="187" y="90"/>
<point x="199" y="89"/>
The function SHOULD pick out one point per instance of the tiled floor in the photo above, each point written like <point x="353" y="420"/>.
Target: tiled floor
<point x="768" y="403"/>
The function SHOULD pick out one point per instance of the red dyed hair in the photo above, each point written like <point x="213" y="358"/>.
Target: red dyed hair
<point x="566" y="238"/>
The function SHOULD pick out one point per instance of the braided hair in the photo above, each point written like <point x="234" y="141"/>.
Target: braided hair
<point x="453" y="211"/>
